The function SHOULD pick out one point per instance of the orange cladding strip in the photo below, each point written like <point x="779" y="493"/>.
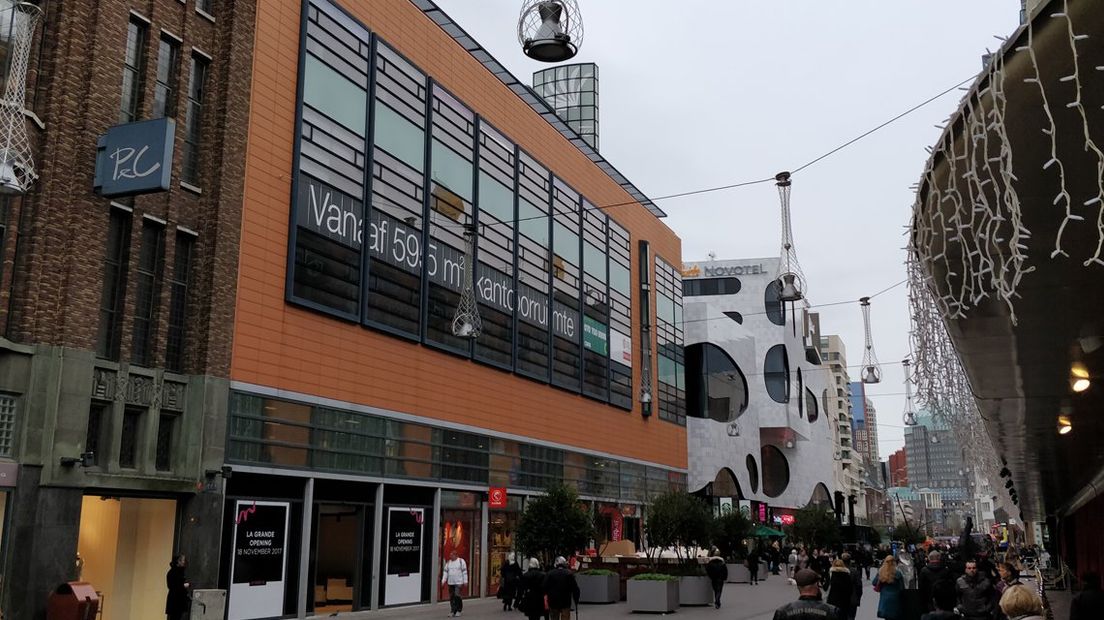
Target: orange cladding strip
<point x="283" y="346"/>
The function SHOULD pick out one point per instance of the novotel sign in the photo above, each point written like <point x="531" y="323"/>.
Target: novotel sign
<point x="714" y="271"/>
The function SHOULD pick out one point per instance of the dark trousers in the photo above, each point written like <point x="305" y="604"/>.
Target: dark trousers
<point x="717" y="587"/>
<point x="754" y="570"/>
<point x="456" y="604"/>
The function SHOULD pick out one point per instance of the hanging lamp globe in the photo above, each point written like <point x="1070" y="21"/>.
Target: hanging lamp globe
<point x="871" y="374"/>
<point x="550" y="30"/>
<point x="790" y="287"/>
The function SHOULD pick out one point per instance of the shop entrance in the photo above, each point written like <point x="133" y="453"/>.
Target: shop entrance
<point x="461" y="532"/>
<point x="124" y="549"/>
<point x="339" y="556"/>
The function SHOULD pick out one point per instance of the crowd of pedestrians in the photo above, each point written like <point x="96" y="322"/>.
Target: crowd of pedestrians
<point x="537" y="594"/>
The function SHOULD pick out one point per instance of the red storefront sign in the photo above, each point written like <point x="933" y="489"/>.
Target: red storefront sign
<point x="497" y="497"/>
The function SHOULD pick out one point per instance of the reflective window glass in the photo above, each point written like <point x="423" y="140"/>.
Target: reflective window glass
<point x="334" y="95"/>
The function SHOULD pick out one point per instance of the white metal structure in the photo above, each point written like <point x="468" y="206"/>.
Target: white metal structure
<point x="17" y="171"/>
<point x="790" y="277"/>
<point x="550" y="31"/>
<point x="466" y="323"/>
<point x="871" y="370"/>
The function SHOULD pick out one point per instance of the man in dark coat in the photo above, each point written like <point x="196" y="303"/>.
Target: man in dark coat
<point x="808" y="606"/>
<point x="976" y="594"/>
<point x="753" y="565"/>
<point x="717" y="571"/>
<point x="934" y="572"/>
<point x="532" y="591"/>
<point x="177" y="602"/>
<point x="562" y="591"/>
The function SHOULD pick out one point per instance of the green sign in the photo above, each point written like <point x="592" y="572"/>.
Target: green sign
<point x="595" y="336"/>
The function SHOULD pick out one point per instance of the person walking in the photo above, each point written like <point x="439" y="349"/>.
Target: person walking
<point x="177" y="602"/>
<point x="975" y="594"/>
<point x="562" y="590"/>
<point x="856" y="582"/>
<point x="1089" y="602"/>
<point x="841" y="589"/>
<point x="717" y="572"/>
<point x="944" y="599"/>
<point x="888" y="583"/>
<point x="753" y="565"/>
<point x="532" y="591"/>
<point x="934" y="572"/>
<point x="510" y="574"/>
<point x="455" y="576"/>
<point x="808" y="606"/>
<point x="1009" y="576"/>
<point x="791" y="563"/>
<point x="1019" y="603"/>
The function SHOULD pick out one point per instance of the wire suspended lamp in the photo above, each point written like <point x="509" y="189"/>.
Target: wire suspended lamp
<point x="910" y="407"/>
<point x="871" y="371"/>
<point x="550" y="31"/>
<point x="17" y="172"/>
<point x="466" y="323"/>
<point x="791" y="280"/>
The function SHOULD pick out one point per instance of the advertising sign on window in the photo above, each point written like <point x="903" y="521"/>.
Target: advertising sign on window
<point x="595" y="337"/>
<point x="259" y="562"/>
<point x="404" y="555"/>
<point x="620" y="347"/>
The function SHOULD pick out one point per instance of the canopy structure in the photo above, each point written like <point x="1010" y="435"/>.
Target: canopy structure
<point x="762" y="531"/>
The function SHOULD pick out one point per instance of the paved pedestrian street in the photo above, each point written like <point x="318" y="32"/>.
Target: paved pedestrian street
<point x="740" y="602"/>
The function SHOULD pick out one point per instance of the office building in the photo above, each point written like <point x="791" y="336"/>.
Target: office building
<point x="898" y="468"/>
<point x="572" y="91"/>
<point x="848" y="465"/>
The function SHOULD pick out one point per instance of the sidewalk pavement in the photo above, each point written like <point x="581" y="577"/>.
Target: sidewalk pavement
<point x="739" y="602"/>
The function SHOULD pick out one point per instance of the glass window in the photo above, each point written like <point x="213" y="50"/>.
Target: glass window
<point x="533" y="222"/>
<point x="334" y="95"/>
<point x="495" y="198"/>
<point x="776" y="471"/>
<point x="7" y="424"/>
<point x="178" y="302"/>
<point x="665" y="308"/>
<point x="151" y="260"/>
<point x="776" y="310"/>
<point x="594" y="262"/>
<point x="98" y="415"/>
<point x="717" y="388"/>
<point x="134" y="69"/>
<point x="168" y="70"/>
<point x="399" y="136"/>
<point x="812" y="408"/>
<point x="619" y="278"/>
<point x="113" y="295"/>
<point x="753" y="473"/>
<point x="193" y="121"/>
<point x="166" y="429"/>
<point x="452" y="170"/>
<point x="776" y="373"/>
<point x="129" y="438"/>
<point x="565" y="243"/>
<point x="206" y="6"/>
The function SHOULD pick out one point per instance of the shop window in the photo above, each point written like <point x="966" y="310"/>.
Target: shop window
<point x="775" y="308"/>
<point x="7" y="424"/>
<point x="129" y="437"/>
<point x="776" y="471"/>
<point x="776" y="373"/>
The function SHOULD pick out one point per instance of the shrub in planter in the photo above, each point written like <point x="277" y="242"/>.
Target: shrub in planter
<point x="599" y="585"/>
<point x="653" y="592"/>
<point x="679" y="521"/>
<point x="553" y="524"/>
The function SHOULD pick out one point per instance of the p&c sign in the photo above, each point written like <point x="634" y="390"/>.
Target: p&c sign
<point x="135" y="158"/>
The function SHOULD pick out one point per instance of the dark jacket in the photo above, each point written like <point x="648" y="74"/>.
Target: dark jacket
<point x="753" y="559"/>
<point x="511" y="578"/>
<point x="532" y="588"/>
<point x="975" y="597"/>
<point x="177" y="601"/>
<point x="717" y="571"/>
<point x="929" y="576"/>
<point x="856" y="577"/>
<point x="807" y="608"/>
<point x="841" y="588"/>
<point x="561" y="588"/>
<point x="1087" y="605"/>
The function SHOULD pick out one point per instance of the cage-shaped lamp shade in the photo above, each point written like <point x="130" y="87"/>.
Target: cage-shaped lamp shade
<point x="792" y="288"/>
<point x="871" y="374"/>
<point x="550" y="31"/>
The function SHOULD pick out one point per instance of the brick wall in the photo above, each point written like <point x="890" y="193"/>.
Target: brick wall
<point x="279" y="345"/>
<point x="52" y="278"/>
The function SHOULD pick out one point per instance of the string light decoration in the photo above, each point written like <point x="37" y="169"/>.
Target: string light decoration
<point x="791" y="279"/>
<point x="871" y="370"/>
<point x="910" y="407"/>
<point x="466" y="322"/>
<point x="17" y="170"/>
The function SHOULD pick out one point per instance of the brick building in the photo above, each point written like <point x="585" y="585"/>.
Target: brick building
<point x="117" y="312"/>
<point x="898" y="469"/>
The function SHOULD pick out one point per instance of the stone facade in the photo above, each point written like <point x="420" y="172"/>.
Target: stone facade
<point x="52" y="273"/>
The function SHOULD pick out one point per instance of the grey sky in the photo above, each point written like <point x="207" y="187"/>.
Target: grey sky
<point x="702" y="93"/>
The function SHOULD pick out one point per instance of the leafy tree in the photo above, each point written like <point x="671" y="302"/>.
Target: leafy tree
<point x="816" y="527"/>
<point x="554" y="524"/>
<point x="907" y="535"/>
<point x="729" y="531"/>
<point x="678" y="520"/>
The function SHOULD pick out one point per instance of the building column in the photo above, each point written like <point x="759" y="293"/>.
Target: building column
<point x="484" y="556"/>
<point x="435" y="569"/>
<point x="377" y="546"/>
<point x="304" y="548"/>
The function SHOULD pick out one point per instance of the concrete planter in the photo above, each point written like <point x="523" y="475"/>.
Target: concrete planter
<point x="695" y="590"/>
<point x="653" y="596"/>
<point x="599" y="588"/>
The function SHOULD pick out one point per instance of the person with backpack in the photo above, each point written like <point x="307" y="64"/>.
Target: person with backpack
<point x="455" y="575"/>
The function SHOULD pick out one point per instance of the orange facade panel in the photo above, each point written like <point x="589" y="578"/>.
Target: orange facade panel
<point x="280" y="345"/>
